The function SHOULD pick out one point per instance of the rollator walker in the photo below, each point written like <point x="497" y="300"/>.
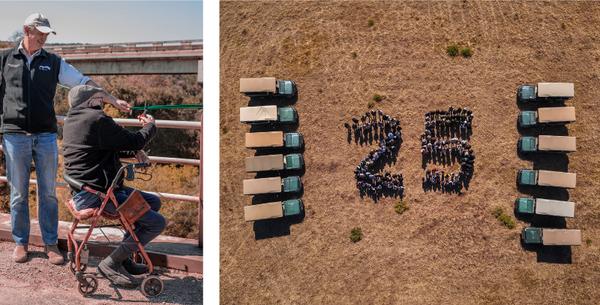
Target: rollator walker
<point x="127" y="213"/>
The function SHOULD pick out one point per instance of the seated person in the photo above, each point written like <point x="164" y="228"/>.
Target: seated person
<point x="92" y="146"/>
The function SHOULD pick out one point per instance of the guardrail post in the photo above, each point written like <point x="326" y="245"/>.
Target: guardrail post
<point x="200" y="204"/>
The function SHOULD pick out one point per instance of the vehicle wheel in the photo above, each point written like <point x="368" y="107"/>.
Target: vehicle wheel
<point x="87" y="285"/>
<point x="72" y="267"/>
<point x="152" y="286"/>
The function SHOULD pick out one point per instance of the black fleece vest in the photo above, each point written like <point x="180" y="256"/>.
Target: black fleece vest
<point x="27" y="94"/>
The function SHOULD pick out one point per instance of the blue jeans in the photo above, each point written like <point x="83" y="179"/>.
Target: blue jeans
<point x="20" y="150"/>
<point x="150" y="225"/>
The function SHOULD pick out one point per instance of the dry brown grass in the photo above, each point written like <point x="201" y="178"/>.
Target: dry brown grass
<point x="446" y="249"/>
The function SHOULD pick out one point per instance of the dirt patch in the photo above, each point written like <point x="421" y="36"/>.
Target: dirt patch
<point x="446" y="248"/>
<point x="39" y="282"/>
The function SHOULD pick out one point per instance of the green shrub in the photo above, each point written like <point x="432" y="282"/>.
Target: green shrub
<point x="588" y="242"/>
<point x="378" y="98"/>
<point x="504" y="218"/>
<point x="401" y="207"/>
<point x="356" y="234"/>
<point x="371" y="104"/>
<point x="466" y="52"/>
<point x="371" y="22"/>
<point x="354" y="55"/>
<point x="452" y="50"/>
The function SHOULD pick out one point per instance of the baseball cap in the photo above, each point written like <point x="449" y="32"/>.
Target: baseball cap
<point x="81" y="93"/>
<point x="40" y="22"/>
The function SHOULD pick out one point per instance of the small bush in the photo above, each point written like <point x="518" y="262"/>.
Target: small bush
<point x="452" y="50"/>
<point x="225" y="129"/>
<point x="378" y="98"/>
<point x="588" y="242"/>
<point x="356" y="234"/>
<point x="563" y="26"/>
<point x="466" y="52"/>
<point x="371" y="22"/>
<point x="401" y="207"/>
<point x="354" y="55"/>
<point x="371" y="104"/>
<point x="504" y="218"/>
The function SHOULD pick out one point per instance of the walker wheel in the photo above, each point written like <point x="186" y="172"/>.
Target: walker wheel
<point x="152" y="286"/>
<point x="73" y="269"/>
<point x="87" y="285"/>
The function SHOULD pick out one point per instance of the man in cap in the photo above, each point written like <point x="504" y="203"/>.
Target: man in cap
<point x="28" y="79"/>
<point x="92" y="146"/>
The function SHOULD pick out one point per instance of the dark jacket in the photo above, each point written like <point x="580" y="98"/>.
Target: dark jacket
<point x="92" y="145"/>
<point x="27" y="95"/>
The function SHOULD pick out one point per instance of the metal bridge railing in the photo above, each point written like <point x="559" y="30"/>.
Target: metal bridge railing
<point x="157" y="159"/>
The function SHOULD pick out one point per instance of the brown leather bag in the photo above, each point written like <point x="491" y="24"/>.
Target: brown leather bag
<point x="134" y="207"/>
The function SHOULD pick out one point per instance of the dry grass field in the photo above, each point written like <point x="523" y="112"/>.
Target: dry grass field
<point x="446" y="249"/>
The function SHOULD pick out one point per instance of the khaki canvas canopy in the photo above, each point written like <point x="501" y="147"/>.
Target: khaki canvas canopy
<point x="262" y="185"/>
<point x="261" y="84"/>
<point x="264" y="163"/>
<point x="557" y="143"/>
<point x="554" y="207"/>
<point x="261" y="113"/>
<point x="556" y="114"/>
<point x="562" y="237"/>
<point x="556" y="90"/>
<point x="263" y="211"/>
<point x="558" y="179"/>
<point x="264" y="139"/>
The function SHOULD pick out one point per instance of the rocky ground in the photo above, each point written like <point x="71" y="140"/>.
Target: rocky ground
<point x="39" y="282"/>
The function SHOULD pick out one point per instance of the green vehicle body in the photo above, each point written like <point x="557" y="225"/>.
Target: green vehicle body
<point x="528" y="144"/>
<point x="527" y="177"/>
<point x="532" y="235"/>
<point x="526" y="93"/>
<point x="292" y="207"/>
<point x="293" y="140"/>
<point x="294" y="161"/>
<point x="525" y="205"/>
<point x="527" y="118"/>
<point x="286" y="88"/>
<point x="287" y="115"/>
<point x="292" y="184"/>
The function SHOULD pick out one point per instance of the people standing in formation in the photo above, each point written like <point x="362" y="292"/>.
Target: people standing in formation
<point x="445" y="142"/>
<point x="376" y="126"/>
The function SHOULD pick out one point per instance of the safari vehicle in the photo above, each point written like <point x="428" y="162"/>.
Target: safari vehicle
<point x="274" y="163"/>
<point x="551" y="237"/>
<point x="545" y="92"/>
<point x="268" y="114"/>
<point x="287" y="208"/>
<point x="547" y="178"/>
<point x="547" y="115"/>
<point x="291" y="184"/>
<point x="267" y="86"/>
<point x="545" y="143"/>
<point x="540" y="206"/>
<point x="274" y="139"/>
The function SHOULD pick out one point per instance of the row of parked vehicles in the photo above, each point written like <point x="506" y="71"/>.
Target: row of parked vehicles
<point x="547" y="93"/>
<point x="272" y="89"/>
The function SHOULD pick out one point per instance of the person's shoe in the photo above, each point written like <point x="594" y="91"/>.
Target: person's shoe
<point x="54" y="255"/>
<point x="133" y="267"/>
<point x="112" y="268"/>
<point x="20" y="253"/>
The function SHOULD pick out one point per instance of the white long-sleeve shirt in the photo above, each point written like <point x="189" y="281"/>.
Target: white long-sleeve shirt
<point x="68" y="75"/>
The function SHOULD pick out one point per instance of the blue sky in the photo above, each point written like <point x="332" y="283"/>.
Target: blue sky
<point x="108" y="21"/>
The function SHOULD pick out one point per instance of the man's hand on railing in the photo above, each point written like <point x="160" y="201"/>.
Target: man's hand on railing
<point x="142" y="157"/>
<point x="146" y="119"/>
